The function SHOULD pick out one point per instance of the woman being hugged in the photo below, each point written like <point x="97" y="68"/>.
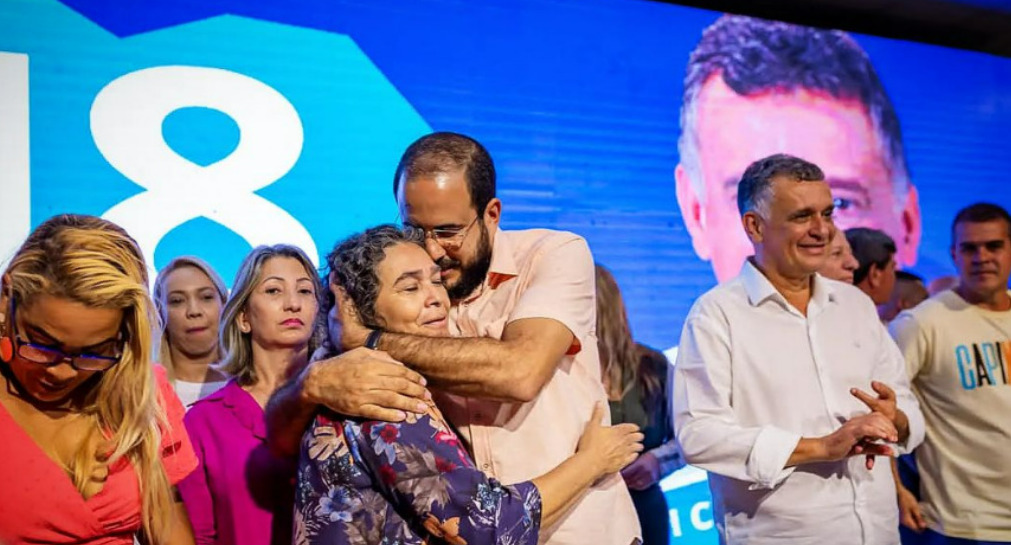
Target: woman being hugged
<point x="92" y="435"/>
<point x="242" y="494"/>
<point x="189" y="295"/>
<point x="412" y="482"/>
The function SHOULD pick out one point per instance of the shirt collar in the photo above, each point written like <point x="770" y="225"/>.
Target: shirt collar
<point x="246" y="410"/>
<point x="502" y="266"/>
<point x="759" y="289"/>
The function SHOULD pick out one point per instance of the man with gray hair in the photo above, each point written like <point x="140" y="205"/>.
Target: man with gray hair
<point x="755" y="87"/>
<point x="769" y="381"/>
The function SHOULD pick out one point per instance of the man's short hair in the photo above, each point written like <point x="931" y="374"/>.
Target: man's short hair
<point x="755" y="55"/>
<point x="979" y="213"/>
<point x="755" y="188"/>
<point x="906" y="276"/>
<point x="870" y="247"/>
<point x="447" y="152"/>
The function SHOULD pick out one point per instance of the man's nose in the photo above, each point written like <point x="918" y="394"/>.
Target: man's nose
<point x="435" y="250"/>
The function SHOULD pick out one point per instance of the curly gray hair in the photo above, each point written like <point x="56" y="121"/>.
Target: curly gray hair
<point x="353" y="263"/>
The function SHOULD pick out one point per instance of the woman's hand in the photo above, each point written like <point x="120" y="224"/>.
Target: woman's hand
<point x="609" y="447"/>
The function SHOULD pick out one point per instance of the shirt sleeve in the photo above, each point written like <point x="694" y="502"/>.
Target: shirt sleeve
<point x="423" y="470"/>
<point x="195" y="489"/>
<point x="705" y="425"/>
<point x="907" y="356"/>
<point x="562" y="288"/>
<point x="912" y="342"/>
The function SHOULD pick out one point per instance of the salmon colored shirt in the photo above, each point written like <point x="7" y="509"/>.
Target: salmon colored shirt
<point x="542" y="274"/>
<point x="39" y="503"/>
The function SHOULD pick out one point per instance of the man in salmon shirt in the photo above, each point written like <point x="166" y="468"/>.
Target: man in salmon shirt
<point x="521" y="374"/>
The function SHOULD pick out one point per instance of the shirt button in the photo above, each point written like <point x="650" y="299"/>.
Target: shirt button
<point x="485" y="467"/>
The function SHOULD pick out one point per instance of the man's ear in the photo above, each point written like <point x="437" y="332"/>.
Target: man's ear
<point x="912" y="225"/>
<point x="874" y="274"/>
<point x="492" y="214"/>
<point x="753" y="226"/>
<point x="692" y="211"/>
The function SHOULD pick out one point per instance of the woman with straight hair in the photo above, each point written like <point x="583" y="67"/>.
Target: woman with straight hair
<point x="189" y="295"/>
<point x="92" y="434"/>
<point x="638" y="389"/>
<point x="364" y="481"/>
<point x="242" y="494"/>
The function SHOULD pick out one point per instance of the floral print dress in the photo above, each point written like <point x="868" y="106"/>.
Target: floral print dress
<point x="382" y="483"/>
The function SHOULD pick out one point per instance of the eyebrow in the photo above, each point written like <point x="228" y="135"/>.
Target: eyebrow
<point x="417" y="273"/>
<point x="971" y="243"/>
<point x="278" y="278"/>
<point x="440" y="226"/>
<point x="850" y="184"/>
<point x="34" y="330"/>
<point x="183" y="292"/>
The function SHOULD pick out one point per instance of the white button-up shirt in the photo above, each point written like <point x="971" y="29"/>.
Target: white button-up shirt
<point x="753" y="376"/>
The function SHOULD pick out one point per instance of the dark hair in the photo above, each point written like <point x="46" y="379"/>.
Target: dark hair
<point x="979" y="213"/>
<point x="443" y="152"/>
<point x="908" y="276"/>
<point x="753" y="191"/>
<point x="755" y="55"/>
<point x="870" y="247"/>
<point x="353" y="262"/>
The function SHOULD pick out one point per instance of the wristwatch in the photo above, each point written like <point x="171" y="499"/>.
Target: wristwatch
<point x="372" y="341"/>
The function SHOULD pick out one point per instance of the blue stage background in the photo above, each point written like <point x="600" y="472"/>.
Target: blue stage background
<point x="577" y="100"/>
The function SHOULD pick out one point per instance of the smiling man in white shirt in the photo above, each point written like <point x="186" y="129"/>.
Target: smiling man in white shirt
<point x="770" y="380"/>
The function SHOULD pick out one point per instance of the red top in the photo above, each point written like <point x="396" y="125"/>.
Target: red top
<point x="39" y="503"/>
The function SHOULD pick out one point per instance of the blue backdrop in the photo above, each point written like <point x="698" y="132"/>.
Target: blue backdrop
<point x="207" y="127"/>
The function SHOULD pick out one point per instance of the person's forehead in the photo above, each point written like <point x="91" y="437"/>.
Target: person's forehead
<point x="441" y="198"/>
<point x="71" y="322"/>
<point x="187" y="276"/>
<point x="735" y="130"/>
<point x="402" y="257"/>
<point x="800" y="194"/>
<point x="983" y="231"/>
<point x="284" y="267"/>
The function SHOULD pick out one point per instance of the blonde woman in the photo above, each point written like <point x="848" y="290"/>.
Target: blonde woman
<point x="92" y="433"/>
<point x="636" y="381"/>
<point x="243" y="494"/>
<point x="189" y="295"/>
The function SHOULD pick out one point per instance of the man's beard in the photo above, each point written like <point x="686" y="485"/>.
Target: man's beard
<point x="471" y="274"/>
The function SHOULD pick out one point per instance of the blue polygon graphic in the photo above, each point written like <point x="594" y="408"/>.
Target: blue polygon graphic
<point x="354" y="124"/>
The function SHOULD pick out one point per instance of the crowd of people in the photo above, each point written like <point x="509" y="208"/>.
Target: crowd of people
<point x="449" y="381"/>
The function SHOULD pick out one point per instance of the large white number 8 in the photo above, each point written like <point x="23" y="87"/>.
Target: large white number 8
<point x="126" y="123"/>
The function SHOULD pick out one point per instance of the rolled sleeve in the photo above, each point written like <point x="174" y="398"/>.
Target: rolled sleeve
<point x="562" y="288"/>
<point x="766" y="465"/>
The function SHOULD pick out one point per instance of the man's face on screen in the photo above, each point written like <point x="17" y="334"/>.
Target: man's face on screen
<point x="734" y="131"/>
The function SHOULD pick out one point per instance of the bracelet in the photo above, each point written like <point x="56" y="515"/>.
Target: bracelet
<point x="372" y="341"/>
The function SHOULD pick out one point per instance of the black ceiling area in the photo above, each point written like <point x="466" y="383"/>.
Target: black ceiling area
<point x="980" y="25"/>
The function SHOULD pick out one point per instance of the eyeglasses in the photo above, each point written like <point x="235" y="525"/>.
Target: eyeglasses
<point x="450" y="238"/>
<point x="49" y="356"/>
